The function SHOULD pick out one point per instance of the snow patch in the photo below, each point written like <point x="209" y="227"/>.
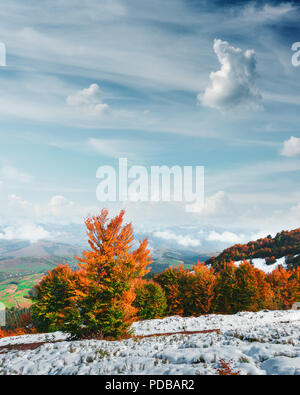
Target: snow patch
<point x="266" y="342"/>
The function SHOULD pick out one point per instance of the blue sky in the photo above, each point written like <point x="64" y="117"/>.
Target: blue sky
<point x="179" y="82"/>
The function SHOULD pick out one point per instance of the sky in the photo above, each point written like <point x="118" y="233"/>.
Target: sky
<point x="172" y="82"/>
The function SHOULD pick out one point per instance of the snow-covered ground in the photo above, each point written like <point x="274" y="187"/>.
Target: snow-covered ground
<point x="267" y="342"/>
<point x="260" y="263"/>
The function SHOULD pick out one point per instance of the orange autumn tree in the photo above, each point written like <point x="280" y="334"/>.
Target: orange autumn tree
<point x="202" y="290"/>
<point x="96" y="300"/>
<point x="251" y="292"/>
<point x="105" y="294"/>
<point x="173" y="281"/>
<point x="285" y="285"/>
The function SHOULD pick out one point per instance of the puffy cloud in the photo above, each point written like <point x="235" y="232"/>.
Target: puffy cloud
<point x="89" y="100"/>
<point x="291" y="147"/>
<point x="29" y="231"/>
<point x="225" y="237"/>
<point x="233" y="86"/>
<point x="185" y="241"/>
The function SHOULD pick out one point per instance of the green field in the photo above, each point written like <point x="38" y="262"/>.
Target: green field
<point x="14" y="291"/>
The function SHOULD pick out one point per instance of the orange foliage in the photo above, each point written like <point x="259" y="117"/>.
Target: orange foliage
<point x="100" y="295"/>
<point x="285" y="285"/>
<point x="109" y="270"/>
<point x="226" y="369"/>
<point x="231" y="289"/>
<point x="15" y="332"/>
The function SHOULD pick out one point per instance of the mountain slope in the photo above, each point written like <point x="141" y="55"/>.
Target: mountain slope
<point x="22" y="257"/>
<point x="285" y="244"/>
<point x="252" y="343"/>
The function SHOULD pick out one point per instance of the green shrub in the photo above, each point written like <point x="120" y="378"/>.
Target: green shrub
<point x="150" y="300"/>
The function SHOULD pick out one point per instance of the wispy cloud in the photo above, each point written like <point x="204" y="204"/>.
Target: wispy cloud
<point x="256" y="13"/>
<point x="12" y="174"/>
<point x="121" y="148"/>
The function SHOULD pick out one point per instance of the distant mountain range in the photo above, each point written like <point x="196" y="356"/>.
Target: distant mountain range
<point x="17" y="257"/>
<point x="18" y="249"/>
<point x="168" y="247"/>
<point x="23" y="257"/>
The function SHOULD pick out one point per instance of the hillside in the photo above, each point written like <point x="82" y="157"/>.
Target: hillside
<point x="284" y="249"/>
<point x="164" y="258"/>
<point x="23" y="264"/>
<point x="23" y="258"/>
<point x="13" y="249"/>
<point x="14" y="292"/>
<point x="252" y="343"/>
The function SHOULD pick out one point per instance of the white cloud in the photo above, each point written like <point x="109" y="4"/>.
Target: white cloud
<point x="225" y="237"/>
<point x="267" y="13"/>
<point x="9" y="173"/>
<point x="109" y="147"/>
<point x="217" y="207"/>
<point x="215" y="204"/>
<point x="29" y="231"/>
<point x="185" y="241"/>
<point x="89" y="100"/>
<point x="58" y="210"/>
<point x="233" y="86"/>
<point x="295" y="211"/>
<point x="122" y="148"/>
<point x="291" y="147"/>
<point x="233" y="238"/>
<point x="262" y="234"/>
<point x="62" y="210"/>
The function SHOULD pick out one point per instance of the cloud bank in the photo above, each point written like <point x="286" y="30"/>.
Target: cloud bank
<point x="185" y="241"/>
<point x="29" y="231"/>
